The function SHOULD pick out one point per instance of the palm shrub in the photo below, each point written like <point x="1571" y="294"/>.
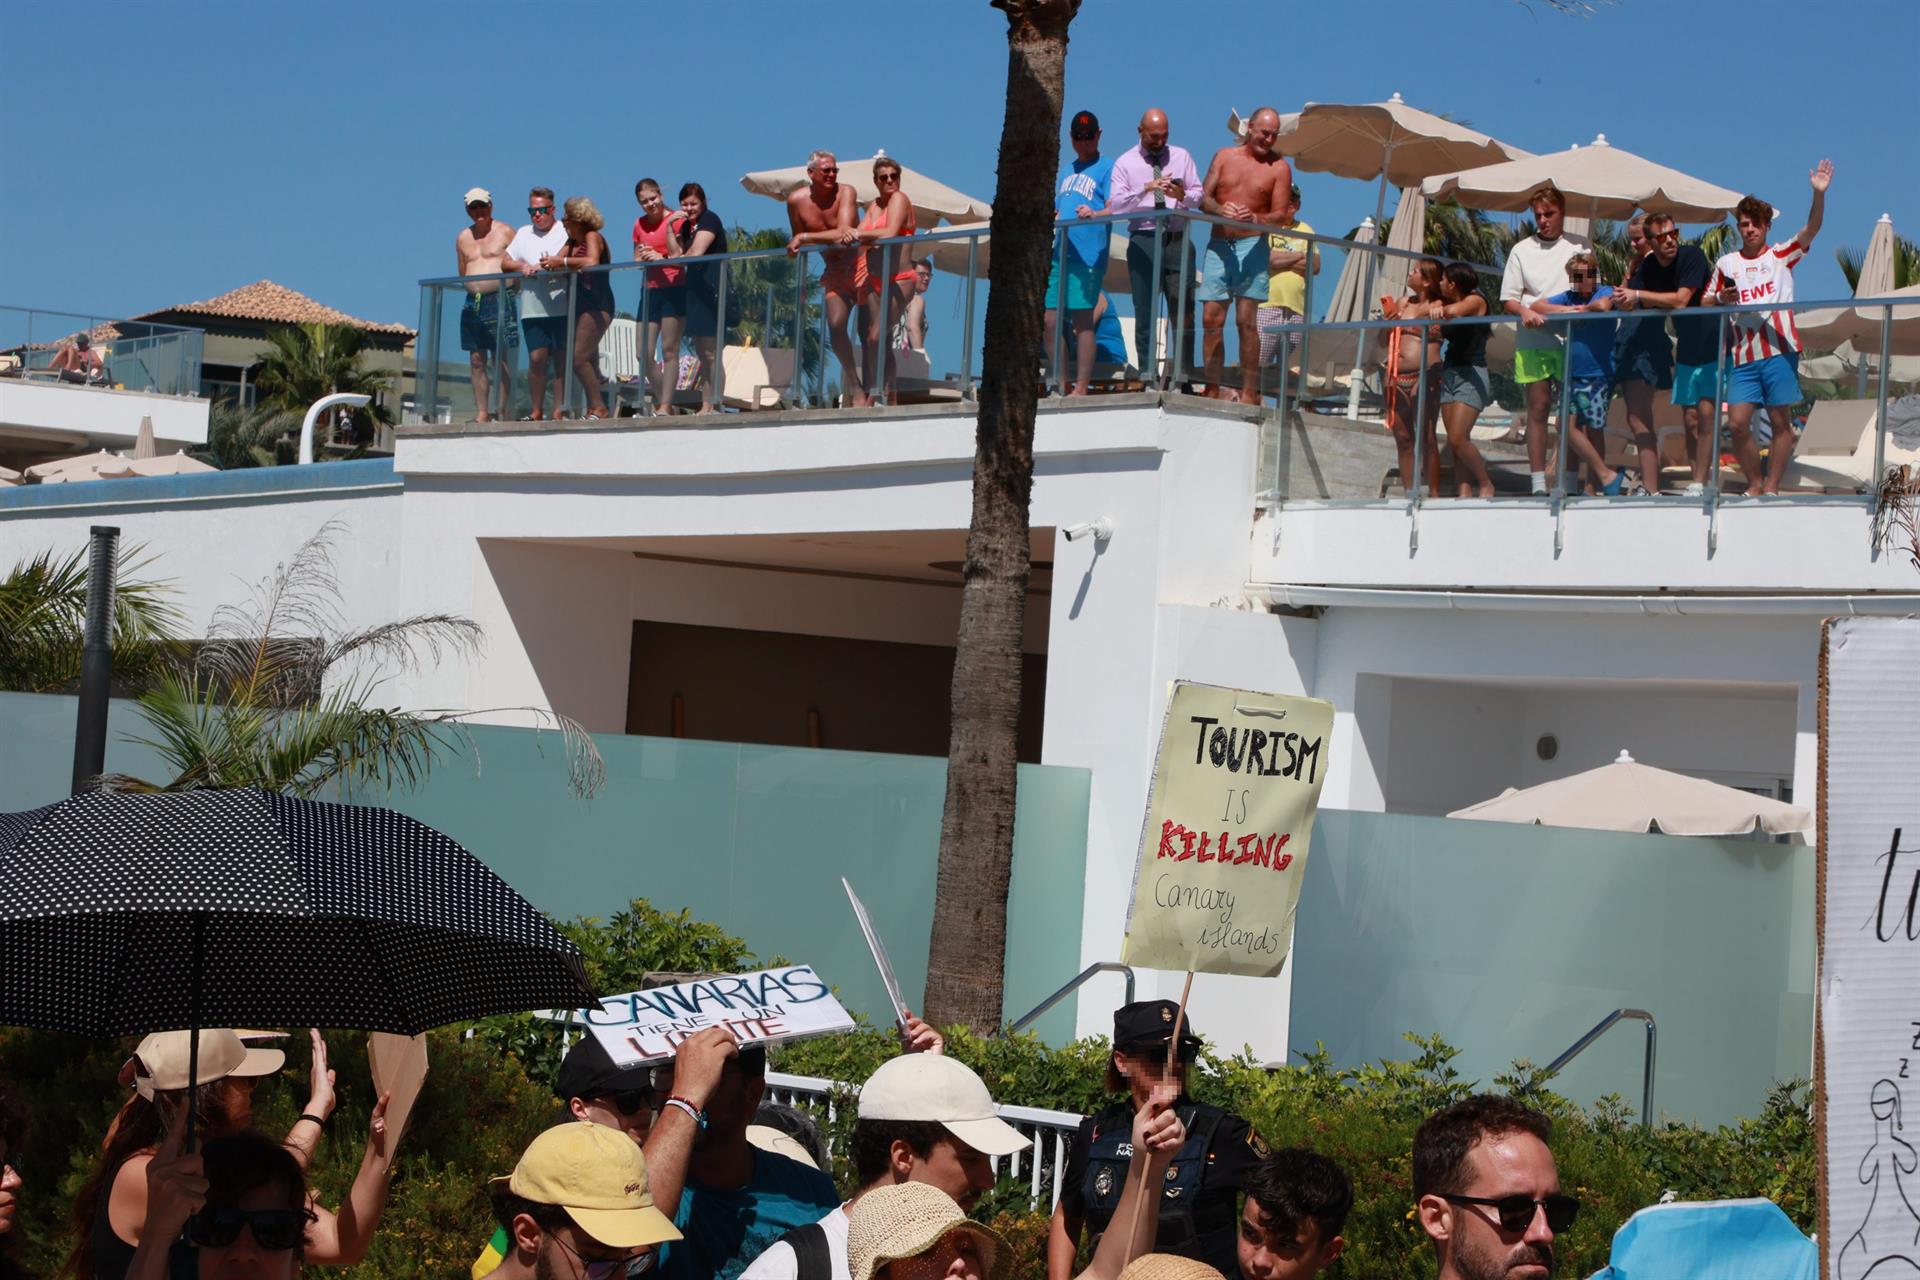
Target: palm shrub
<point x="43" y="605"/>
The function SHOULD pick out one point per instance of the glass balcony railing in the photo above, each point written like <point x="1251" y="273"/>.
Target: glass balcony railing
<point x="1304" y="345"/>
<point x="130" y="355"/>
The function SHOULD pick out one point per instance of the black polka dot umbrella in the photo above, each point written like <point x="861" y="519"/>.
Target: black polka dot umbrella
<point x="123" y="913"/>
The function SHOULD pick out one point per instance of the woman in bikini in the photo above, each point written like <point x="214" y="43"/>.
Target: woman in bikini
<point x="1413" y="352"/>
<point x="891" y="269"/>
<point x="593" y="295"/>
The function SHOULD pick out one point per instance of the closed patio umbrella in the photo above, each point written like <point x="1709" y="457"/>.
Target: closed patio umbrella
<point x="933" y="201"/>
<point x="143" y="446"/>
<point x="1629" y="796"/>
<point x="1599" y="180"/>
<point x="1409" y="232"/>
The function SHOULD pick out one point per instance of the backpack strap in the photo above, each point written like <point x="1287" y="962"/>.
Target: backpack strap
<point x="809" y="1243"/>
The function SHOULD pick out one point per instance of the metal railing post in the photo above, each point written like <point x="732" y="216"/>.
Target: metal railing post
<point x="799" y="327"/>
<point x="966" y="321"/>
<point x="1599" y="1029"/>
<point x="566" y="370"/>
<point x="716" y="375"/>
<point x="1175" y="330"/>
<point x="645" y="311"/>
<point x="1559" y="487"/>
<point x="1880" y="411"/>
<point x="1149" y="360"/>
<point x="1078" y="980"/>
<point x="1060" y="312"/>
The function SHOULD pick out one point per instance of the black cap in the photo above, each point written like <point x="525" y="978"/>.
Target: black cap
<point x="1150" y="1022"/>
<point x="1085" y="124"/>
<point x="588" y="1072"/>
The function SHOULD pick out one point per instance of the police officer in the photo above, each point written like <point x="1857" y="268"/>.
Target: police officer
<point x="1199" y="1207"/>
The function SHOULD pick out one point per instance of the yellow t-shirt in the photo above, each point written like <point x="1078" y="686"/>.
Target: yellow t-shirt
<point x="1284" y="288"/>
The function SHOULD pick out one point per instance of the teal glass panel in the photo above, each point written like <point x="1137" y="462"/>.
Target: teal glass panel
<point x="1512" y="941"/>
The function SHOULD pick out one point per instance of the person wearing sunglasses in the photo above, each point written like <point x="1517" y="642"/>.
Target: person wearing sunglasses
<point x="1671" y="278"/>
<point x="578" y="1207"/>
<point x="1589" y="369"/>
<point x="890" y="272"/>
<point x="822" y="212"/>
<point x="237" y="1207"/>
<point x="543" y="298"/>
<point x="1486" y="1191"/>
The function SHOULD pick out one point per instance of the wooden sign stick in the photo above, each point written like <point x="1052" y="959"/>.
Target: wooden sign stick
<point x="1173" y="1044"/>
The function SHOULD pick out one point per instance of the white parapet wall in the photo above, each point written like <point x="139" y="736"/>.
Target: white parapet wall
<point x="99" y="417"/>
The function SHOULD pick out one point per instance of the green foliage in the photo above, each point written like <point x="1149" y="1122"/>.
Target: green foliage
<point x="263" y="436"/>
<point x="1906" y="263"/>
<point x="760" y="290"/>
<point x="43" y="615"/>
<point x="307" y="361"/>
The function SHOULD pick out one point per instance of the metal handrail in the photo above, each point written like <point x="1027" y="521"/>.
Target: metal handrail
<point x="1105" y="966"/>
<point x="1600" y="1029"/>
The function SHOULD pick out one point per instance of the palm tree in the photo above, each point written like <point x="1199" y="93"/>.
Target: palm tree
<point x="1456" y="232"/>
<point x="1906" y="263"/>
<point x="281" y="696"/>
<point x="966" y="957"/>
<point x="262" y="436"/>
<point x="304" y="362"/>
<point x="43" y="604"/>
<point x="761" y="290"/>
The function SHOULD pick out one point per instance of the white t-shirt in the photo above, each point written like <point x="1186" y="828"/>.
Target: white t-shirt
<point x="1535" y="271"/>
<point x="1767" y="278"/>
<point x="546" y="294"/>
<point x="780" y="1262"/>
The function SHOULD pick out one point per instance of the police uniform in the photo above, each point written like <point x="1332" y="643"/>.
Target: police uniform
<point x="1199" y="1208"/>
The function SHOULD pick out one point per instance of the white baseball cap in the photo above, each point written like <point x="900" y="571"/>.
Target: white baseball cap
<point x="934" y="1087"/>
<point x="478" y="195"/>
<point x="163" y="1056"/>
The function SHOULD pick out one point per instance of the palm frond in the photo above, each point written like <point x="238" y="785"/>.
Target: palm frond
<point x="43" y="622"/>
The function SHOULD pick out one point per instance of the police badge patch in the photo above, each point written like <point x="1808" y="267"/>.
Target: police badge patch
<point x="1103" y="1182"/>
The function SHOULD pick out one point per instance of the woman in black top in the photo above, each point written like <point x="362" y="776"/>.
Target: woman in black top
<point x="702" y="233"/>
<point x="1464" y="389"/>
<point x="1198" y="1208"/>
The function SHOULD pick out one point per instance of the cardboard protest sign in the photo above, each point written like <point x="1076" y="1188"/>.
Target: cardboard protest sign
<point x="399" y="1065"/>
<point x="1867" y="1036"/>
<point x="1224" y="846"/>
<point x="878" y="950"/>
<point x="765" y="1007"/>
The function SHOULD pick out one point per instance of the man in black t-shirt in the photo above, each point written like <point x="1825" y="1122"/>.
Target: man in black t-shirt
<point x="1671" y="278"/>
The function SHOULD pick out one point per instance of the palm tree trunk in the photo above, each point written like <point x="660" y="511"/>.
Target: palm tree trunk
<point x="967" y="954"/>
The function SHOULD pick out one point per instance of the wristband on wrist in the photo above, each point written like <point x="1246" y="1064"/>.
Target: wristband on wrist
<point x="320" y="1121"/>
<point x="694" y="1113"/>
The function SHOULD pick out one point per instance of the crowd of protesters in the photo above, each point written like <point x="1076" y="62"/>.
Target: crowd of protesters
<point x="680" y="1169"/>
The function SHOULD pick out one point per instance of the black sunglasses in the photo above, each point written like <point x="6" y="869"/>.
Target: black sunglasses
<point x="1516" y="1212"/>
<point x="274" y="1230"/>
<point x="628" y="1101"/>
<point x="534" y="211"/>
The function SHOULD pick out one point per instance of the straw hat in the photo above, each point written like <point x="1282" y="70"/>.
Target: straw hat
<point x="1168" y="1266"/>
<point x="890" y="1223"/>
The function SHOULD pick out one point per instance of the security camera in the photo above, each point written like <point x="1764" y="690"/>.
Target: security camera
<point x="1099" y="530"/>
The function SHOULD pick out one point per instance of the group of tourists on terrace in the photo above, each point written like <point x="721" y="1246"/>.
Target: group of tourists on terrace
<point x="1436" y="371"/>
<point x="676" y="1169"/>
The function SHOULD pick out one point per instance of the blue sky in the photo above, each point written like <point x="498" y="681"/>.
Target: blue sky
<point x="162" y="153"/>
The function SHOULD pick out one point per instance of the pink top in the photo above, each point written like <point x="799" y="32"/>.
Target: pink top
<point x="656" y="239"/>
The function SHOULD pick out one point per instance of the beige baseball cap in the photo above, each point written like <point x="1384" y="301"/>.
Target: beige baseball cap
<point x="477" y="195"/>
<point x="932" y="1086"/>
<point x="598" y="1175"/>
<point x="887" y="1224"/>
<point x="161" y="1059"/>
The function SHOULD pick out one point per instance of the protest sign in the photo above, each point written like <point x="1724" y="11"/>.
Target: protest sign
<point x="765" y="1007"/>
<point x="399" y="1066"/>
<point x="1867" y="1037"/>
<point x="878" y="949"/>
<point x="1224" y="846"/>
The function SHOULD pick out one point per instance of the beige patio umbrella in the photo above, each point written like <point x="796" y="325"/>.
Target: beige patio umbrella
<point x="9" y="476"/>
<point x="1628" y="796"/>
<point x="1854" y="332"/>
<point x="933" y="201"/>
<point x="171" y="464"/>
<point x="951" y="256"/>
<point x="143" y="446"/>
<point x="1599" y="180"/>
<point x="102" y="464"/>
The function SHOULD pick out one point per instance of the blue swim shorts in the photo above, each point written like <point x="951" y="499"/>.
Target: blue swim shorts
<point x="480" y="322"/>
<point x="1234" y="269"/>
<point x="1693" y="383"/>
<point x="1588" y="398"/>
<point x="1083" y="283"/>
<point x="1772" y="381"/>
<point x="545" y="331"/>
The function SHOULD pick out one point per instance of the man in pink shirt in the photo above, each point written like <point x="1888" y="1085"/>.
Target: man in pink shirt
<point x="1156" y="175"/>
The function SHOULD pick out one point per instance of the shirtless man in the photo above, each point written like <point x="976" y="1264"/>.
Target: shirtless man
<point x="823" y="212"/>
<point x="1248" y="183"/>
<point x="481" y="250"/>
<point x="78" y="361"/>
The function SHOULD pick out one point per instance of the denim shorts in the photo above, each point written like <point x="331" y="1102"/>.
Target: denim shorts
<point x="1772" y="381"/>
<point x="1462" y="385"/>
<point x="545" y="331"/>
<point x="1234" y="269"/>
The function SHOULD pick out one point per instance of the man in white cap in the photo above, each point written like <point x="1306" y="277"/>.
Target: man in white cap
<point x="577" y="1198"/>
<point x="923" y="1118"/>
<point x="487" y="321"/>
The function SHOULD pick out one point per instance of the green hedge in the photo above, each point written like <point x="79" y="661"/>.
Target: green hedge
<point x="488" y="1095"/>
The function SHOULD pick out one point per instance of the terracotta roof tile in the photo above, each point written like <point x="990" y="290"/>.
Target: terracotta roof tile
<point x="265" y="300"/>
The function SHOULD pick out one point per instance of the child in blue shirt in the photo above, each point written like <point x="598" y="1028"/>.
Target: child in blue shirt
<point x="1589" y="368"/>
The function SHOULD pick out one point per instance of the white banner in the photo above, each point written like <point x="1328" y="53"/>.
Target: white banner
<point x="765" y="1007"/>
<point x="1869" y="1028"/>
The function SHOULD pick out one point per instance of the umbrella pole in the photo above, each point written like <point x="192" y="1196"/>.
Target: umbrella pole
<point x="1366" y="290"/>
<point x="193" y="1034"/>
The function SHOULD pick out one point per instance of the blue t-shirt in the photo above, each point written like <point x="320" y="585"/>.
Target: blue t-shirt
<point x="1590" y="346"/>
<point x="1086" y="183"/>
<point x="727" y="1229"/>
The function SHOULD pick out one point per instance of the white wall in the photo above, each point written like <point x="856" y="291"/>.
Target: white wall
<point x="1446" y="741"/>
<point x="104" y="416"/>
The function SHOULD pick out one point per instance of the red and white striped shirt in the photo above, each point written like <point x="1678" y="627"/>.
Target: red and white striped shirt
<point x="1767" y="278"/>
